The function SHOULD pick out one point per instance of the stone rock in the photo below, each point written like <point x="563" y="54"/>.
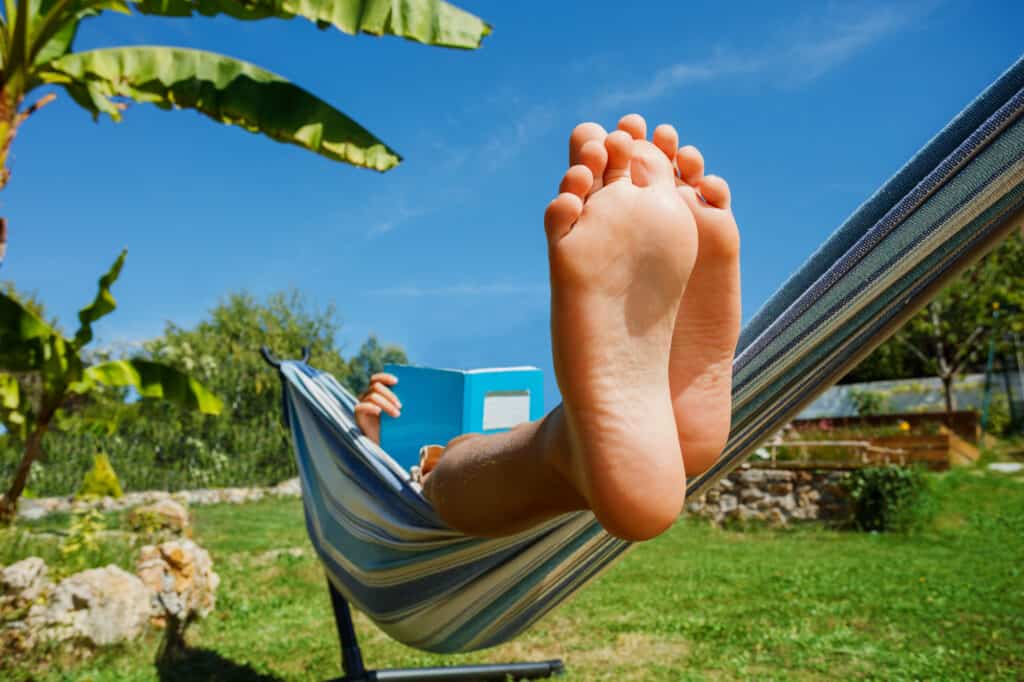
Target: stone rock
<point x="751" y="476"/>
<point x="727" y="503"/>
<point x="779" y="488"/>
<point x="289" y="488"/>
<point x="30" y="511"/>
<point x="778" y="476"/>
<point x="1006" y="467"/>
<point x="181" y="582"/>
<point x="98" y="607"/>
<point x="785" y="503"/>
<point x="776" y="517"/>
<point x="748" y="514"/>
<point x="808" y="513"/>
<point x="163" y="514"/>
<point x="748" y="495"/>
<point x="807" y="497"/>
<point x="22" y="583"/>
<point x="726" y="484"/>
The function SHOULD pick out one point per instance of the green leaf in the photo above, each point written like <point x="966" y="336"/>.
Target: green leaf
<point x="153" y="380"/>
<point x="23" y="336"/>
<point x="225" y="89"/>
<point x="56" y="24"/>
<point x="10" y="393"/>
<point x="103" y="304"/>
<point x="431" y="22"/>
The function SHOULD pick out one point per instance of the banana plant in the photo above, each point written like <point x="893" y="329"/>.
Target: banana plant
<point x="42" y="372"/>
<point x="37" y="36"/>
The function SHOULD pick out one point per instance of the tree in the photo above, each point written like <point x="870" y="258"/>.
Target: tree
<point x="36" y="38"/>
<point x="950" y="335"/>
<point x="42" y="372"/>
<point x="223" y="350"/>
<point x="371" y="359"/>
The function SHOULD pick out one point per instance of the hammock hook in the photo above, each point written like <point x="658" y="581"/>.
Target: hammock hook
<point x="275" y="362"/>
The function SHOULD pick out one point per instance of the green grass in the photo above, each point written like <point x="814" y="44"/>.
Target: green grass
<point x="697" y="603"/>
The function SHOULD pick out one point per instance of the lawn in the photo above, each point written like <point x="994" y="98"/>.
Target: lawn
<point x="697" y="603"/>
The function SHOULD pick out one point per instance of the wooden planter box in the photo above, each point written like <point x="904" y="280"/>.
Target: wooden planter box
<point x="938" y="452"/>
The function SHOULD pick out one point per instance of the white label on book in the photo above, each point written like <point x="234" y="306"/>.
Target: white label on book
<point x="505" y="409"/>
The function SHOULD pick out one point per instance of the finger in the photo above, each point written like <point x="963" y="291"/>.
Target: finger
<point x="383" y="390"/>
<point x="384" y="404"/>
<point x="384" y="378"/>
<point x="368" y="408"/>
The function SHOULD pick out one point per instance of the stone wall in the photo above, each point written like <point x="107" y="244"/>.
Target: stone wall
<point x="37" y="508"/>
<point x="776" y="496"/>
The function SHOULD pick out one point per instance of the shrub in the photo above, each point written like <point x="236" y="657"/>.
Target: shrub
<point x="101" y="481"/>
<point x="998" y="419"/>
<point x="888" y="498"/>
<point x="869" y="402"/>
<point x="81" y="544"/>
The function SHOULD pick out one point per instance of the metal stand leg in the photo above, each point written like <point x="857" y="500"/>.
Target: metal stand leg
<point x="354" y="670"/>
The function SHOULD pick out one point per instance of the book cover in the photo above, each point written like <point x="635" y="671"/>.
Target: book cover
<point x="440" y="404"/>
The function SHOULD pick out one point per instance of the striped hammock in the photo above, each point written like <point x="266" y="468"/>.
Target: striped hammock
<point x="432" y="588"/>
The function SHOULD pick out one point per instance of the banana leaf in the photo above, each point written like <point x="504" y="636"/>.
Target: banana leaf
<point x="152" y="380"/>
<point x="225" y="89"/>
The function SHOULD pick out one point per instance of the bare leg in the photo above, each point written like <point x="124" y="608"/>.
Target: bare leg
<point x="619" y="264"/>
<point x="500" y="484"/>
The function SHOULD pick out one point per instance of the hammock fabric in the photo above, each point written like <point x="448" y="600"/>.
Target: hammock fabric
<point x="430" y="587"/>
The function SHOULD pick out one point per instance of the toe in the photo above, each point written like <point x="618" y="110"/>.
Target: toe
<point x="594" y="156"/>
<point x="715" y="191"/>
<point x="577" y="180"/>
<point x="690" y="162"/>
<point x="666" y="139"/>
<point x="581" y="135"/>
<point x="650" y="166"/>
<point x="561" y="214"/>
<point x="635" y="125"/>
<point x="619" y="146"/>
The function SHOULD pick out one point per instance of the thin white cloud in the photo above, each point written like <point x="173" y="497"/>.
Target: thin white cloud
<point x="506" y="144"/>
<point x="676" y="76"/>
<point x="402" y="214"/>
<point x="805" y="51"/>
<point x="828" y="42"/>
<point x="464" y="290"/>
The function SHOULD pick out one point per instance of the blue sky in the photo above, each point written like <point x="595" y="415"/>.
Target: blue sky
<point x="806" y="108"/>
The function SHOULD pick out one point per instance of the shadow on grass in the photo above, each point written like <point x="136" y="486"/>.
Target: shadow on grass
<point x="199" y="665"/>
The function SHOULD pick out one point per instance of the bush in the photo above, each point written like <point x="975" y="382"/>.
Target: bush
<point x="889" y="498"/>
<point x="101" y="481"/>
<point x="998" y="421"/>
<point x="869" y="402"/>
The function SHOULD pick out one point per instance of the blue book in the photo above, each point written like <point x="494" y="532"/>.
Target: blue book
<point x="440" y="404"/>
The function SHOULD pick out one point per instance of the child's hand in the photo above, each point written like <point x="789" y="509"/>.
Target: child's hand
<point x="374" y="400"/>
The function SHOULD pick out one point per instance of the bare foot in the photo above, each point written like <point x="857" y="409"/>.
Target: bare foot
<point x="708" y="324"/>
<point x="621" y="247"/>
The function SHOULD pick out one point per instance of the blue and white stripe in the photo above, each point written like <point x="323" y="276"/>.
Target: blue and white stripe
<point x="433" y="588"/>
